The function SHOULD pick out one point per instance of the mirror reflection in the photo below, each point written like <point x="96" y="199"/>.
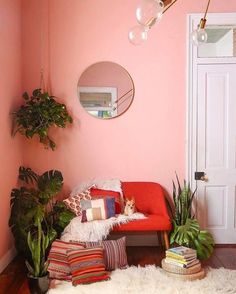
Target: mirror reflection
<point x="105" y="90"/>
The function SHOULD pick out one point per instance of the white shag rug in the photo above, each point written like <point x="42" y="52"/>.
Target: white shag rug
<point x="153" y="280"/>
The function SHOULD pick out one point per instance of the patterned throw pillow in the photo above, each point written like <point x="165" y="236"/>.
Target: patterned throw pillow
<point x="73" y="202"/>
<point x="99" y="193"/>
<point x="114" y="253"/>
<point x="97" y="209"/>
<point x="87" y="265"/>
<point x="59" y="267"/>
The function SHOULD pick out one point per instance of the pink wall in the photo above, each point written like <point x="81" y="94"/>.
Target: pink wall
<point x="148" y="141"/>
<point x="10" y="84"/>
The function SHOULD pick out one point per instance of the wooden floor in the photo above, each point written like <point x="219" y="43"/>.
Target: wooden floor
<point x="13" y="279"/>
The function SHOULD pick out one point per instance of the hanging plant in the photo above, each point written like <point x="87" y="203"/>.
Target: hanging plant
<point x="39" y="113"/>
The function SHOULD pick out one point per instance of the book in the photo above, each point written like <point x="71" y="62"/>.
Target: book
<point x="193" y="263"/>
<point x="182" y="251"/>
<point x="181" y="257"/>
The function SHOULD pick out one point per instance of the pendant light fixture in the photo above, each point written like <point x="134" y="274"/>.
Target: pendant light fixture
<point x="149" y="12"/>
<point x="199" y="36"/>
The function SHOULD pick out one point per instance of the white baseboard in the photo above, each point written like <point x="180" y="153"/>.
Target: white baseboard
<point x="7" y="258"/>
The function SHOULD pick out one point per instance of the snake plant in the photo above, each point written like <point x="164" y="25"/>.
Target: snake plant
<point x="186" y="229"/>
<point x="38" y="245"/>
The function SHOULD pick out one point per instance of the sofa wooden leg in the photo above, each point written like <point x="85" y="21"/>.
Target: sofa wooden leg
<point x="166" y="239"/>
<point x="159" y="238"/>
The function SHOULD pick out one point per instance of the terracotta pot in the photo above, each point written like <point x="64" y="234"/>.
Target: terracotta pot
<point x="38" y="285"/>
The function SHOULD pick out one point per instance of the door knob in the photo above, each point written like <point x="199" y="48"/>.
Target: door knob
<point x="201" y="176"/>
<point x="204" y="178"/>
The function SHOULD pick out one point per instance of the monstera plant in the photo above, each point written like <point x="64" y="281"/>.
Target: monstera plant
<point x="186" y="229"/>
<point x="38" y="115"/>
<point x="37" y="198"/>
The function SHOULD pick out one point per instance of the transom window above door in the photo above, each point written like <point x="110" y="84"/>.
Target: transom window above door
<point x="221" y="42"/>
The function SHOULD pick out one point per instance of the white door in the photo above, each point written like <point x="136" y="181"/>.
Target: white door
<point x="216" y="150"/>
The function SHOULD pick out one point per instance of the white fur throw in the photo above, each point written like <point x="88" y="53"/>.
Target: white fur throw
<point x="95" y="230"/>
<point x="110" y="185"/>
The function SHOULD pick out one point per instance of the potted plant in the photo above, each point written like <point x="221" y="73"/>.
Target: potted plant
<point x="37" y="197"/>
<point x="38" y="243"/>
<point x="186" y="229"/>
<point x="38" y="115"/>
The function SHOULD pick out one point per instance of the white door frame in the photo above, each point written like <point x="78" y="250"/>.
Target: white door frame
<point x="191" y="91"/>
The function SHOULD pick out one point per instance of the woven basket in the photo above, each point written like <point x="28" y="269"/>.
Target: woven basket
<point x="197" y="276"/>
<point x="171" y="268"/>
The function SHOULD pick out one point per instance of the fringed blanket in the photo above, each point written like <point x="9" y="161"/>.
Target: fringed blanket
<point x="95" y="230"/>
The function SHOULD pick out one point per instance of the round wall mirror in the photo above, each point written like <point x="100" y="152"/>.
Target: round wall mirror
<point x="105" y="90"/>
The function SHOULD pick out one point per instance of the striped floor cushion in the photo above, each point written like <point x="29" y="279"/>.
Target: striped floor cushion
<point x="114" y="253"/>
<point x="87" y="265"/>
<point x="59" y="267"/>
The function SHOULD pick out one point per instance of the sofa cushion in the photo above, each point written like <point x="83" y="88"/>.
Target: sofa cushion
<point x="98" y="209"/>
<point x="149" y="197"/>
<point x="151" y="223"/>
<point x="99" y="193"/>
<point x="74" y="202"/>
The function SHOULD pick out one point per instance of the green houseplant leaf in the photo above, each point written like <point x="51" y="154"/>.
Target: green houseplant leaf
<point x="38" y="115"/>
<point x="186" y="229"/>
<point x="37" y="198"/>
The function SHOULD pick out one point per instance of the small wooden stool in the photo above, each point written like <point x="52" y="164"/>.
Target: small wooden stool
<point x="187" y="274"/>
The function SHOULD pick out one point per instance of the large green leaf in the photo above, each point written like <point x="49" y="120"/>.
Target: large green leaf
<point x="190" y="235"/>
<point x="185" y="233"/>
<point x="60" y="216"/>
<point x="49" y="183"/>
<point x="38" y="114"/>
<point x="27" y="175"/>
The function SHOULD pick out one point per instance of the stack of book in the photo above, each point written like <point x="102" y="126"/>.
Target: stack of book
<point x="182" y="257"/>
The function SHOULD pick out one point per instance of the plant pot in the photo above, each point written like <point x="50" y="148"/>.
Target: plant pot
<point x="38" y="285"/>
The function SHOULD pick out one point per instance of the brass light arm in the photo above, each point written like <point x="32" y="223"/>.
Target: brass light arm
<point x="208" y="4"/>
<point x="203" y="20"/>
<point x="153" y="20"/>
<point x="169" y="6"/>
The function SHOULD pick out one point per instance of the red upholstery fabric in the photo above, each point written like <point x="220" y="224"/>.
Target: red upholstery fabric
<point x="151" y="223"/>
<point x="94" y="192"/>
<point x="149" y="197"/>
<point x="150" y="200"/>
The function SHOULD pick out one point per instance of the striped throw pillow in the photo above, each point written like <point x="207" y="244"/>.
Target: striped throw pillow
<point x="87" y="265"/>
<point x="59" y="267"/>
<point x="114" y="253"/>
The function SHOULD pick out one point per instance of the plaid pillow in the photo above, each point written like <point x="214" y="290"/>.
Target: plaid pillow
<point x="99" y="193"/>
<point x="87" y="265"/>
<point x="59" y="267"/>
<point x="98" y="209"/>
<point x="114" y="253"/>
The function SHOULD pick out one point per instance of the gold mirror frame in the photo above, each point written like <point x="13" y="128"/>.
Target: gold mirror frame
<point x="105" y="90"/>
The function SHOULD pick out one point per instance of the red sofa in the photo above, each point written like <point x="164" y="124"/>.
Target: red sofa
<point x="150" y="200"/>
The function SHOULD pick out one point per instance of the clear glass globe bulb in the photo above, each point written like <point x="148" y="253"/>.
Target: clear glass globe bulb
<point x="148" y="11"/>
<point x="138" y="35"/>
<point x="199" y="37"/>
